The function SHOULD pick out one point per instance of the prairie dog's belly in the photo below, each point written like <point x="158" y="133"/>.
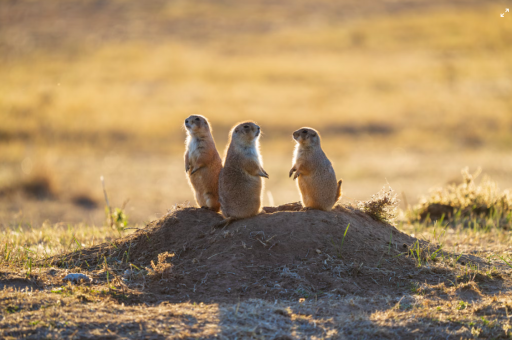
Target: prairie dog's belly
<point x="194" y="155"/>
<point x="241" y="193"/>
<point x="318" y="186"/>
<point x="252" y="153"/>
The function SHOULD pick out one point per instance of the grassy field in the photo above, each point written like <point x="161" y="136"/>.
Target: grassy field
<point x="403" y="93"/>
<point x="406" y="99"/>
<point x="36" y="303"/>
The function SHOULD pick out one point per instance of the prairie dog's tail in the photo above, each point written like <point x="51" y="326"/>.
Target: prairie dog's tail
<point x="338" y="190"/>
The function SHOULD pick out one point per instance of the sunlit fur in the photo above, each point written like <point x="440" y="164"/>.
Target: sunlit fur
<point x="315" y="175"/>
<point x="202" y="162"/>
<point x="240" y="182"/>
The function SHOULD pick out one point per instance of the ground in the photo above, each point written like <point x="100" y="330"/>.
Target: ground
<point x="404" y="93"/>
<point x="286" y="273"/>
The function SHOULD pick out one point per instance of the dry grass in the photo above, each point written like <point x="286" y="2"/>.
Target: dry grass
<point x="476" y="303"/>
<point x="433" y="311"/>
<point x="382" y="206"/>
<point x="392" y="97"/>
<point x="410" y="98"/>
<point x="469" y="218"/>
<point x="467" y="200"/>
<point x="161" y="268"/>
<point x="133" y="95"/>
<point x="22" y="245"/>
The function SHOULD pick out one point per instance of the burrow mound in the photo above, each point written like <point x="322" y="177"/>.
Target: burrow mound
<point x="284" y="252"/>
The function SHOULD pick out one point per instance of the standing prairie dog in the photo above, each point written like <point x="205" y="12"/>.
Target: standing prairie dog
<point x="240" y="181"/>
<point x="316" y="177"/>
<point x="202" y="162"/>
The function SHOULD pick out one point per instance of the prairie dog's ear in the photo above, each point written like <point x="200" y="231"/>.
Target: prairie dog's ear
<point x="236" y="131"/>
<point x="313" y="134"/>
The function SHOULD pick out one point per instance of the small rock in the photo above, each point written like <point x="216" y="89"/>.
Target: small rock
<point x="319" y="251"/>
<point x="77" y="277"/>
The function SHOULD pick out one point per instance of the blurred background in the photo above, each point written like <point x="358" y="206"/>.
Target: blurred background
<point x="404" y="93"/>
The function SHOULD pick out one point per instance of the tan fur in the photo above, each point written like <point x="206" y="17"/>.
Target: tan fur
<point x="202" y="162"/>
<point x="240" y="181"/>
<point x="316" y="178"/>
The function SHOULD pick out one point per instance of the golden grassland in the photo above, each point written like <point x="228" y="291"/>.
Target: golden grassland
<point x="466" y="308"/>
<point x="78" y="312"/>
<point x="436" y="81"/>
<point x="406" y="99"/>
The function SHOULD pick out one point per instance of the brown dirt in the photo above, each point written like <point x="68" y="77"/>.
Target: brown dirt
<point x="11" y="281"/>
<point x="272" y="257"/>
<point x="280" y="254"/>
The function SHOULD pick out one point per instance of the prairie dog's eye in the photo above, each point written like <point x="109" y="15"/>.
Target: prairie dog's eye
<point x="304" y="131"/>
<point x="246" y="126"/>
<point x="197" y="118"/>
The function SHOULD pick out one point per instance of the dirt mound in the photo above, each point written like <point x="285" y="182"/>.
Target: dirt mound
<point x="285" y="252"/>
<point x="18" y="283"/>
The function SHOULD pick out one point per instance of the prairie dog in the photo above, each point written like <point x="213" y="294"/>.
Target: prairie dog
<point x="316" y="177"/>
<point x="240" y="181"/>
<point x="202" y="162"/>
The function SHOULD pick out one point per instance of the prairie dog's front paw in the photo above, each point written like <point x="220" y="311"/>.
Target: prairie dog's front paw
<point x="263" y="173"/>
<point x="292" y="170"/>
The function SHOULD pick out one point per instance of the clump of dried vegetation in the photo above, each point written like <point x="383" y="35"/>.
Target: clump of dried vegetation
<point x="382" y="206"/>
<point x="161" y="268"/>
<point x="468" y="200"/>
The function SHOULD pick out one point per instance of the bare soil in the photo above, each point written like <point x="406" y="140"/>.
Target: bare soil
<point x="16" y="283"/>
<point x="283" y="274"/>
<point x="283" y="253"/>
